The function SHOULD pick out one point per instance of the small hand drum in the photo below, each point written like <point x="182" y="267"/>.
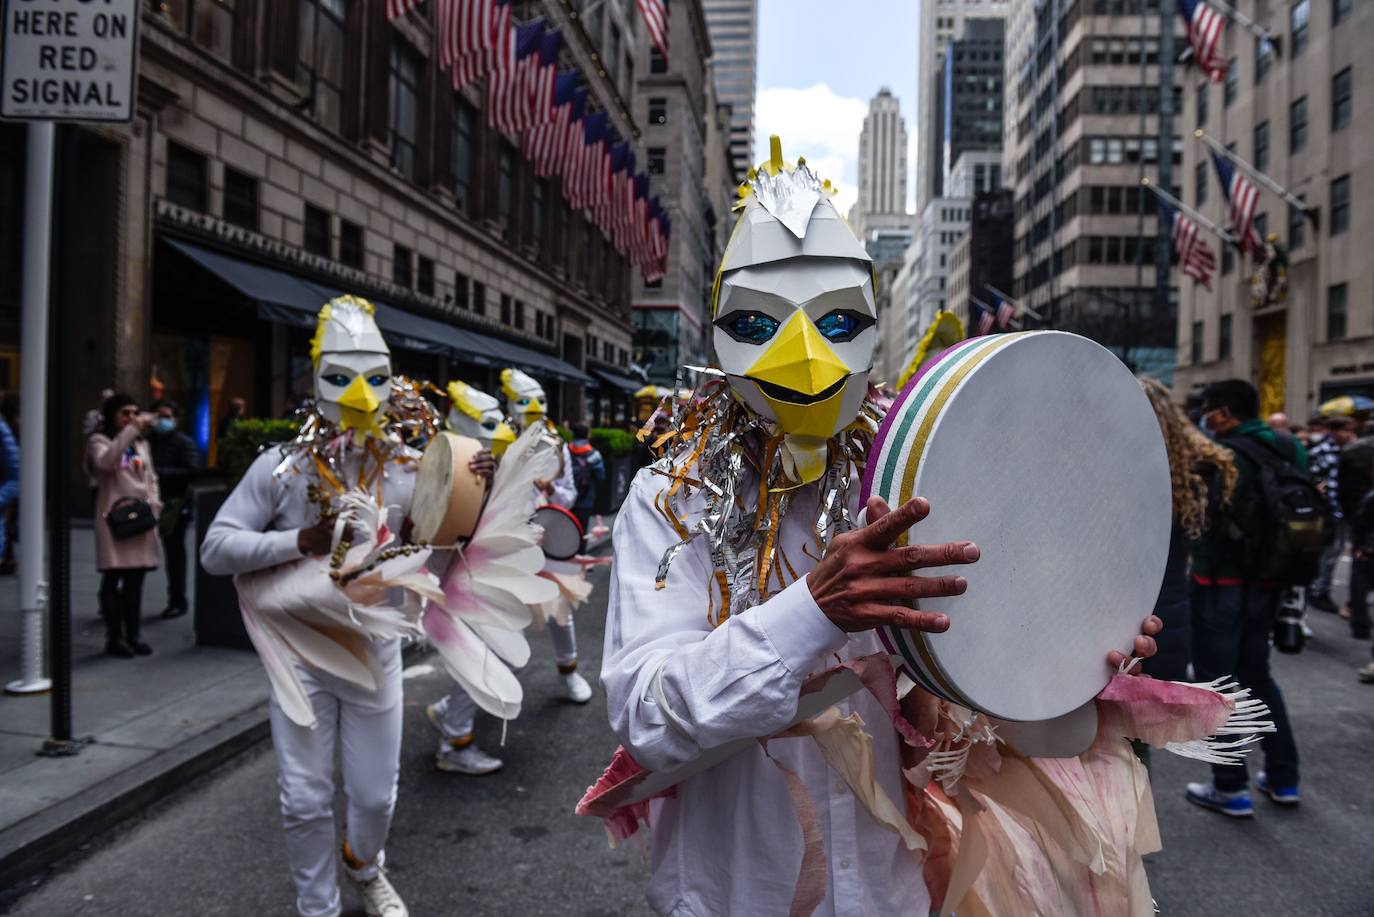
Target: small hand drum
<point x="1042" y="449"/>
<point x="562" y="532"/>
<point x="448" y="496"/>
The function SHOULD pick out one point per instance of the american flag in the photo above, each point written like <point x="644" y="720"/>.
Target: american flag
<point x="1006" y="311"/>
<point x="542" y="79"/>
<point x="395" y="9"/>
<point x="546" y="142"/>
<point x="1195" y="257"/>
<point x="655" y="13"/>
<point x="479" y="33"/>
<point x="507" y="98"/>
<point x="586" y="158"/>
<point x="1243" y="197"/>
<point x="984" y="321"/>
<point x="1205" y="26"/>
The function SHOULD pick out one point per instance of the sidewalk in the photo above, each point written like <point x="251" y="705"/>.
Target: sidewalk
<point x="154" y="722"/>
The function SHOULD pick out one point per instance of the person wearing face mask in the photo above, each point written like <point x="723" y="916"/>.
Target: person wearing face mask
<point x="119" y="461"/>
<point x="177" y="461"/>
<point x="285" y="509"/>
<point x="527" y="405"/>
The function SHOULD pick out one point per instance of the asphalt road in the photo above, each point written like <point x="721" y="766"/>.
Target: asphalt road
<point x="508" y="844"/>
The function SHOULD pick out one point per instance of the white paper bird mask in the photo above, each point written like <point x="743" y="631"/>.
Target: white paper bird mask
<point x="795" y="317"/>
<point x="478" y="415"/>
<point x="525" y="400"/>
<point x="352" y="365"/>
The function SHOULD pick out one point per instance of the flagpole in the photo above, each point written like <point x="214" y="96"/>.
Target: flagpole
<point x="1259" y="176"/>
<point x="1254" y="28"/>
<point x="1187" y="211"/>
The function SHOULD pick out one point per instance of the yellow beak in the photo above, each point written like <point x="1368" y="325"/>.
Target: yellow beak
<point x="358" y="406"/>
<point x="501" y="439"/>
<point x="799" y="359"/>
<point x="534" y="411"/>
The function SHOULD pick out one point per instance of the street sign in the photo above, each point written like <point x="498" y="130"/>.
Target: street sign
<point x="69" y="60"/>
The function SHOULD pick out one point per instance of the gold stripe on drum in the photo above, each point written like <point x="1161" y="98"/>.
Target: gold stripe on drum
<point x="917" y="455"/>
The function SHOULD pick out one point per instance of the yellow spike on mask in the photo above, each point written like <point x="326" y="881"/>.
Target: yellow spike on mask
<point x="799" y="359"/>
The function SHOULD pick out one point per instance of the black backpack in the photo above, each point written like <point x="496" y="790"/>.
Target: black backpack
<point x="1286" y="524"/>
<point x="582" y="471"/>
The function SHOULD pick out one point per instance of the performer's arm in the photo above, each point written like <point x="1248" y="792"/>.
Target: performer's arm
<point x="564" y="486"/>
<point x="674" y="685"/>
<point x="241" y="537"/>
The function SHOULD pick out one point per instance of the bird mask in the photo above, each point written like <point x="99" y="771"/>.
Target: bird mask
<point x="478" y="415"/>
<point x="352" y="366"/>
<point x="525" y="400"/>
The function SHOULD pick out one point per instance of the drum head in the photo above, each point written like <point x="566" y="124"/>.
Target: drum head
<point x="1042" y="449"/>
<point x="562" y="532"/>
<point x="448" y="496"/>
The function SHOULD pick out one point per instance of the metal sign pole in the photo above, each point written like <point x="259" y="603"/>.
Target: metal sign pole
<point x="38" y="194"/>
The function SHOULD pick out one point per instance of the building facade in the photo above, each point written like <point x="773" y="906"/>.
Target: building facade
<point x="682" y="143"/>
<point x="881" y="203"/>
<point x="1083" y="98"/>
<point x="1305" y="117"/>
<point x="284" y="152"/>
<point x="971" y="96"/>
<point x="887" y="247"/>
<point x="734" y="28"/>
<point x="979" y="262"/>
<point x="942" y="21"/>
<point x="942" y="224"/>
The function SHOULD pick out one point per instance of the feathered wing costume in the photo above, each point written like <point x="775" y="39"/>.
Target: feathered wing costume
<point x="478" y="619"/>
<point x="324" y="612"/>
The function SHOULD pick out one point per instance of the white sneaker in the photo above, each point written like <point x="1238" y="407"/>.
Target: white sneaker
<point x="379" y="895"/>
<point x="576" y="689"/>
<point x="469" y="760"/>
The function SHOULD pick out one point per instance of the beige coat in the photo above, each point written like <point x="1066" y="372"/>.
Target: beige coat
<point x="118" y="475"/>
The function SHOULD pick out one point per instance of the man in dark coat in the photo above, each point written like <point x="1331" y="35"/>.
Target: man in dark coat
<point x="177" y="462"/>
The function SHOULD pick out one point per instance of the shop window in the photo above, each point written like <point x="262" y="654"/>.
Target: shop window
<point x="403" y="129"/>
<point x="209" y="23"/>
<point x="186" y="178"/>
<point x="1297" y="125"/>
<point x="460" y="290"/>
<point x="1335" y="312"/>
<point x="402" y="270"/>
<point x="463" y="150"/>
<point x="1262" y="146"/>
<point x="1342" y="89"/>
<point x="317" y="231"/>
<point x="1340" y="205"/>
<point x="1297" y="26"/>
<point x="320" y="61"/>
<point x="240" y="199"/>
<point x="658" y="110"/>
<point x="351" y="244"/>
<point x="658" y="160"/>
<point x="424" y="276"/>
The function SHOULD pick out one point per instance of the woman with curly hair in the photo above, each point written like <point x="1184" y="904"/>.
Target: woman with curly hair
<point x="1196" y="466"/>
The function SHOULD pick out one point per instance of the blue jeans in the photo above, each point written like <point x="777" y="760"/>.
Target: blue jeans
<point x="1231" y="626"/>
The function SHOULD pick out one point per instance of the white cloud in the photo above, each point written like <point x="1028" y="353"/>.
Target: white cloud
<point x="816" y="123"/>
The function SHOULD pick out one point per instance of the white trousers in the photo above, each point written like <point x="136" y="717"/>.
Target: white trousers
<point x="457" y="711"/>
<point x="366" y="726"/>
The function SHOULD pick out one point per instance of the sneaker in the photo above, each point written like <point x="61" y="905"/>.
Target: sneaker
<point x="1283" y="795"/>
<point x="1366" y="673"/>
<point x="1237" y="804"/>
<point x="379" y="895"/>
<point x="469" y="760"/>
<point x="575" y="688"/>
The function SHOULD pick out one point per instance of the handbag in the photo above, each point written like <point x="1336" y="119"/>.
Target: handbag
<point x="130" y="517"/>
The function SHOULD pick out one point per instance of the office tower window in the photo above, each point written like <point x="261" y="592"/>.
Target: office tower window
<point x="317" y="231"/>
<point x="351" y="244"/>
<point x="402" y="272"/>
<point x="461" y="291"/>
<point x="1342" y="90"/>
<point x="1224" y="338"/>
<point x="1335" y="312"/>
<point x="1297" y="26"/>
<point x="403" y="129"/>
<point x="1340" y="205"/>
<point x="240" y="199"/>
<point x="424" y="278"/>
<point x="658" y="110"/>
<point x="1197" y="343"/>
<point x="186" y="178"/>
<point x="1262" y="146"/>
<point x="463" y="153"/>
<point x="320" y="59"/>
<point x="1297" y="125"/>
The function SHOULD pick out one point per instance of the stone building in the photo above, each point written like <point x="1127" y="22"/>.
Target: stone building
<point x="881" y="203"/>
<point x="284" y="151"/>
<point x="1304" y="115"/>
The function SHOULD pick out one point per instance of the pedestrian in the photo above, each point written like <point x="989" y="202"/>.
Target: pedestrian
<point x="9" y="519"/>
<point x="1362" y="571"/>
<point x="1278" y="422"/>
<point x="1356" y="480"/>
<point x="1324" y="461"/>
<point x="589" y="470"/>
<point x="237" y="410"/>
<point x="9" y="477"/>
<point x="283" y="509"/>
<point x="1233" y="606"/>
<point x="177" y="462"/>
<point x="1196" y="466"/>
<point x="120" y="462"/>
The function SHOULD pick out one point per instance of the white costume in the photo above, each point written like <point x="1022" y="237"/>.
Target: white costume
<point x="256" y="529"/>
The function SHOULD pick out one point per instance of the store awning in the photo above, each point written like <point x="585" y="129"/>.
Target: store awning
<point x="281" y="297"/>
<point x="617" y="381"/>
<point x="292" y="300"/>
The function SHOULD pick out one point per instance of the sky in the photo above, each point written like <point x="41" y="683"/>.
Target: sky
<point x="820" y="62"/>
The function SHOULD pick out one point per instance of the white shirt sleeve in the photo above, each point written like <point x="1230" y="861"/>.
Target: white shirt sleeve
<point x="565" y="487"/>
<point x="242" y="537"/>
<point x="739" y="680"/>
